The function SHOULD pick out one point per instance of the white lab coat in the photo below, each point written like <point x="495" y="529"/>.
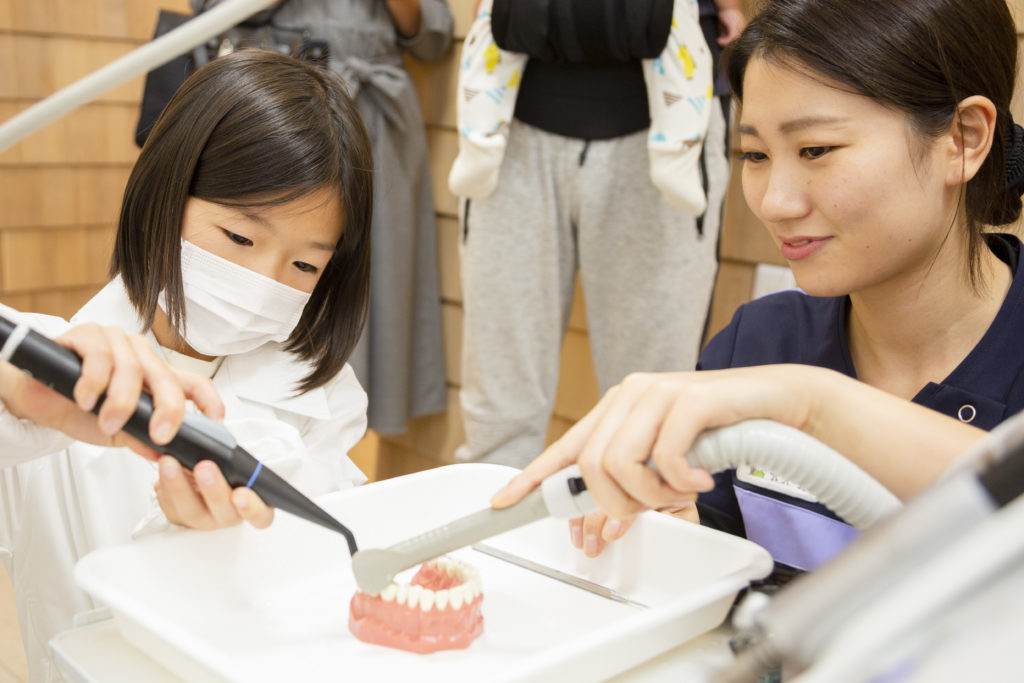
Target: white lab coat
<point x="58" y="506"/>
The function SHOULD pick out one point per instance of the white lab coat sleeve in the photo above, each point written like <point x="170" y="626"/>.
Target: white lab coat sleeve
<point x="22" y="440"/>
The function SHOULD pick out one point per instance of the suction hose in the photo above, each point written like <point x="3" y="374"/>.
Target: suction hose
<point x="137" y="62"/>
<point x="795" y="456"/>
<point x="880" y="581"/>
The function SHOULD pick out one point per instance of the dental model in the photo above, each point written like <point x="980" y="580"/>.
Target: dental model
<point x="438" y="610"/>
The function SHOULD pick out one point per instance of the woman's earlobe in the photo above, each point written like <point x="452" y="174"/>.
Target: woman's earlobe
<point x="973" y="133"/>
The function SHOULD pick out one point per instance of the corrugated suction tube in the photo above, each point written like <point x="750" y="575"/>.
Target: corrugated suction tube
<point x="795" y="456"/>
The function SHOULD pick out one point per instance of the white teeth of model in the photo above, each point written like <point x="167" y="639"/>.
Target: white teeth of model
<point x="441" y="599"/>
<point x="388" y="594"/>
<point x="426" y="600"/>
<point x="456" y="595"/>
<point x="800" y="243"/>
<point x="402" y="594"/>
<point x="414" y="595"/>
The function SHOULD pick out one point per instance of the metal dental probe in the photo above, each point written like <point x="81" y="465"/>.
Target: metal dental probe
<point x="199" y="437"/>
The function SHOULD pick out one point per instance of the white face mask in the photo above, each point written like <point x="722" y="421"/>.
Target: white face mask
<point x="230" y="309"/>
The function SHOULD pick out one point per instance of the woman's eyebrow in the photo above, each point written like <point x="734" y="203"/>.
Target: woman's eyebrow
<point x="795" y="125"/>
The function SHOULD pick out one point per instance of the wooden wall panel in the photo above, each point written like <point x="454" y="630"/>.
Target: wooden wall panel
<point x="436" y="86"/>
<point x="60" y="196"/>
<point x="451" y="323"/>
<point x="444" y="147"/>
<point x="127" y="20"/>
<point x="52" y="301"/>
<point x="35" y="259"/>
<point x="94" y="134"/>
<point x="38" y="65"/>
<point x="449" y="261"/>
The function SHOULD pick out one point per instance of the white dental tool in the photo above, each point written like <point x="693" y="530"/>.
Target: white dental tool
<point x="839" y="485"/>
<point x="563" y="495"/>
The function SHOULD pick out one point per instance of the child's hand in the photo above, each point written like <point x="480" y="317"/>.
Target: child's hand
<point x="202" y="499"/>
<point x="120" y="365"/>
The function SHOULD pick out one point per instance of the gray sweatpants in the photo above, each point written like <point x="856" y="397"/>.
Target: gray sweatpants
<point x="564" y="204"/>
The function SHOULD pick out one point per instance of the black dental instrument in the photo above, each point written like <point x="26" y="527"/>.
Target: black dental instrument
<point x="199" y="437"/>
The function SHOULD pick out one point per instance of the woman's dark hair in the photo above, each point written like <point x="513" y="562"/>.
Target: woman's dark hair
<point x="253" y="129"/>
<point x="919" y="57"/>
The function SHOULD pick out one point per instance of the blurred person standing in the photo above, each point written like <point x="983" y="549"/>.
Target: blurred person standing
<point x="575" y="194"/>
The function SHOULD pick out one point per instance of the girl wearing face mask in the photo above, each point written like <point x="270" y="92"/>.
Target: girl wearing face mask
<point x="242" y="253"/>
<point x="879" y="152"/>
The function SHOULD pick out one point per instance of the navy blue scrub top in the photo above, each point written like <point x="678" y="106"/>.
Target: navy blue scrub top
<point x="792" y="327"/>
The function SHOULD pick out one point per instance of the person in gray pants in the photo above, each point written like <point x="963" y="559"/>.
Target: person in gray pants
<point x="575" y="194"/>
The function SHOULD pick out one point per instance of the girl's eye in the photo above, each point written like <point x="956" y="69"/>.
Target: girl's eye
<point x="816" y="152"/>
<point x="752" y="156"/>
<point x="238" y="239"/>
<point x="305" y="267"/>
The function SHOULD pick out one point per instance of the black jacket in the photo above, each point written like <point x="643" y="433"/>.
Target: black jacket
<point x="583" y="31"/>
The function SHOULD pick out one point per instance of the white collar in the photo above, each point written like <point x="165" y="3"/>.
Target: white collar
<point x="267" y="375"/>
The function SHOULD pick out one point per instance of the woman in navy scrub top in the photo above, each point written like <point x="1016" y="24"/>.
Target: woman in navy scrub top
<point x="879" y="152"/>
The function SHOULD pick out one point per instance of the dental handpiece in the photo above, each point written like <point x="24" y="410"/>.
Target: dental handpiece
<point x="198" y="438"/>
<point x="562" y="495"/>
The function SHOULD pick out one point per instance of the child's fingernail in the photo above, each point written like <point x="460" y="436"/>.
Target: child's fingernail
<point x="163" y="433"/>
<point x="612" y="529"/>
<point x="110" y="427"/>
<point x="590" y="544"/>
<point x="241" y="502"/>
<point x="204" y="476"/>
<point x="89" y="402"/>
<point x="576" y="535"/>
<point x="169" y="468"/>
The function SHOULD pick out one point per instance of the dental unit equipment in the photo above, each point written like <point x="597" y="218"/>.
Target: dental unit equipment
<point x="956" y="542"/>
<point x="199" y="437"/>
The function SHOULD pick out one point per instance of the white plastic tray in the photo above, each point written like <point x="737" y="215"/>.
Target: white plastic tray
<point x="248" y="605"/>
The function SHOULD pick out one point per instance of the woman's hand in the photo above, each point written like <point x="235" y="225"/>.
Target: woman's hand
<point x="653" y="417"/>
<point x="202" y="499"/>
<point x="122" y="366"/>
<point x="657" y="417"/>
